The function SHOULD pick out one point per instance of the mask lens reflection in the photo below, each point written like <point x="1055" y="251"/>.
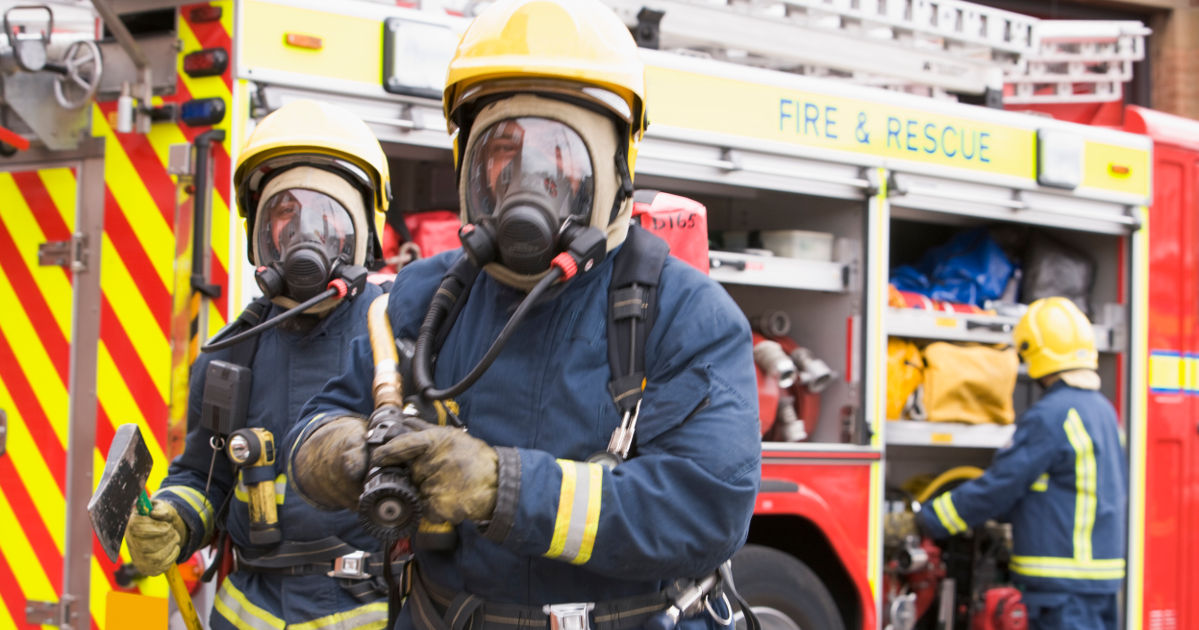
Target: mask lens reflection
<point x="298" y="216"/>
<point x="534" y="159"/>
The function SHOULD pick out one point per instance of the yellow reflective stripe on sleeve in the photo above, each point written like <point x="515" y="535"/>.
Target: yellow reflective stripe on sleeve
<point x="1086" y="497"/>
<point x="241" y="494"/>
<point x="231" y="604"/>
<point x="1041" y="484"/>
<point x="941" y="516"/>
<point x="1070" y="568"/>
<point x="579" y="502"/>
<point x="194" y="498"/>
<point x="369" y="617"/>
<point x="948" y="514"/>
<point x="566" y="499"/>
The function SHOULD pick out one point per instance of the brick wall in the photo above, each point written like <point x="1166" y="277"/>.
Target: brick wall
<point x="1175" y="59"/>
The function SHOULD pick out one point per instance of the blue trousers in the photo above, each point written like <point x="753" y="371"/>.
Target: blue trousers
<point x="1070" y="611"/>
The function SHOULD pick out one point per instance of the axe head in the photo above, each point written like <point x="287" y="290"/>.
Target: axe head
<point x="124" y="479"/>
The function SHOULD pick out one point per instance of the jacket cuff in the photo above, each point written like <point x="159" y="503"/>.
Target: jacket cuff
<point x="507" y="495"/>
<point x="939" y="518"/>
<point x="197" y="513"/>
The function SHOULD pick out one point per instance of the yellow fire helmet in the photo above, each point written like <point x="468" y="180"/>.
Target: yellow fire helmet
<point x="577" y="49"/>
<point x="1054" y="336"/>
<point x="311" y="133"/>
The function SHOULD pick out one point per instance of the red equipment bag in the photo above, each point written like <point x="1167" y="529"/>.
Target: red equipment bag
<point x="434" y="231"/>
<point x="681" y="222"/>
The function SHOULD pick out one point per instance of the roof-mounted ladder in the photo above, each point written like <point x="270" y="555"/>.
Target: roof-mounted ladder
<point x="1077" y="61"/>
<point x="932" y="47"/>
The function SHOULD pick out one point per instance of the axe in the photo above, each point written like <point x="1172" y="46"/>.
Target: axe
<point x="121" y="487"/>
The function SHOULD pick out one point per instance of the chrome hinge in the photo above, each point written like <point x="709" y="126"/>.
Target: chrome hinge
<point x="72" y="253"/>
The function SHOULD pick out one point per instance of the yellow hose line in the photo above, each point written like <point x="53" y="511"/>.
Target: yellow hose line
<point x="387" y="388"/>
<point x="961" y="473"/>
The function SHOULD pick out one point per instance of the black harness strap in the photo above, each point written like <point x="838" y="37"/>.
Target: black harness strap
<point x="239" y="354"/>
<point x="243" y="353"/>
<point x="632" y="307"/>
<point x="317" y="557"/>
<point x="437" y="608"/>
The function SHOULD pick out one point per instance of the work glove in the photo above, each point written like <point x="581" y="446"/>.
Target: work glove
<point x="457" y="473"/>
<point x="154" y="539"/>
<point x="898" y="526"/>
<point x="330" y="464"/>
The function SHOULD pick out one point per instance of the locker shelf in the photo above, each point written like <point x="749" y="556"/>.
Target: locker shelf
<point x="996" y="329"/>
<point x="776" y="271"/>
<point x="962" y="435"/>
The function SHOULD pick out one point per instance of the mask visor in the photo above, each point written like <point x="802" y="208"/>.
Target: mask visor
<point x="300" y="217"/>
<point x="529" y="161"/>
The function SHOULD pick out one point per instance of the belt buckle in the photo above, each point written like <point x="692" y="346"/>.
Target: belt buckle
<point x="570" y="616"/>
<point x="351" y="566"/>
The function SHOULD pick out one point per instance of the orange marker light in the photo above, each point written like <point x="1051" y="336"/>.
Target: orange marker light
<point x="310" y="42"/>
<point x="1119" y="170"/>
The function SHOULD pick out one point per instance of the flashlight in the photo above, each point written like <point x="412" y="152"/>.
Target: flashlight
<point x="252" y="451"/>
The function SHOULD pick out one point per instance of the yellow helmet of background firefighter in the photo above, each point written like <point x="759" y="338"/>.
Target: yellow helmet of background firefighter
<point x="311" y="133"/>
<point x="565" y="46"/>
<point x="1054" y="336"/>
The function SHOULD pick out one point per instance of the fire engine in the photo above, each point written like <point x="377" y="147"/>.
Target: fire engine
<point x="829" y="142"/>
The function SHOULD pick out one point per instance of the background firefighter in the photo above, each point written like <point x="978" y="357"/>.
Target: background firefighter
<point x="307" y="182"/>
<point x="1061" y="482"/>
<point x="548" y="102"/>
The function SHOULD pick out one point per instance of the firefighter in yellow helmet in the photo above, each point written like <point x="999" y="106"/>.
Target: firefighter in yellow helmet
<point x="1062" y="482"/>
<point x="308" y="182"/>
<point x="583" y="487"/>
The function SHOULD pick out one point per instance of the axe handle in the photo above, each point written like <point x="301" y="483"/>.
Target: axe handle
<point x="182" y="599"/>
<point x="174" y="579"/>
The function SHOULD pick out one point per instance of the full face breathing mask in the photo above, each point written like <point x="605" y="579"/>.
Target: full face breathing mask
<point x="526" y="179"/>
<point x="537" y="173"/>
<point x="303" y="237"/>
<point x="306" y="231"/>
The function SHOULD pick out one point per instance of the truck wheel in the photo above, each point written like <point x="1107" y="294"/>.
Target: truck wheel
<point x="782" y="591"/>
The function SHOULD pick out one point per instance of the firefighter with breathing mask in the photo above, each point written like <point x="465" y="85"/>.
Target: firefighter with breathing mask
<point x="1062" y="482"/>
<point x="581" y="494"/>
<point x="308" y="182"/>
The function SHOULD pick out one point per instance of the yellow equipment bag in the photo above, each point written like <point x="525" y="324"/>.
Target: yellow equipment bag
<point x="970" y="383"/>
<point x="905" y="372"/>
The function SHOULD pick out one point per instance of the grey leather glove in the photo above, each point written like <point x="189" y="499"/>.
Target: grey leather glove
<point x="329" y="466"/>
<point x="154" y="540"/>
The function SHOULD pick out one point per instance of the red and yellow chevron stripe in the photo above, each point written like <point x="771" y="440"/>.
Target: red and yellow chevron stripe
<point x="134" y="365"/>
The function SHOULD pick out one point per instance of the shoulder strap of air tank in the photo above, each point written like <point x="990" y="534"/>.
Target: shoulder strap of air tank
<point x="632" y="306"/>
<point x="464" y="272"/>
<point x="243" y="353"/>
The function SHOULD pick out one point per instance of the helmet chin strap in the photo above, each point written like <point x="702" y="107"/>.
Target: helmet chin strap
<point x="612" y="203"/>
